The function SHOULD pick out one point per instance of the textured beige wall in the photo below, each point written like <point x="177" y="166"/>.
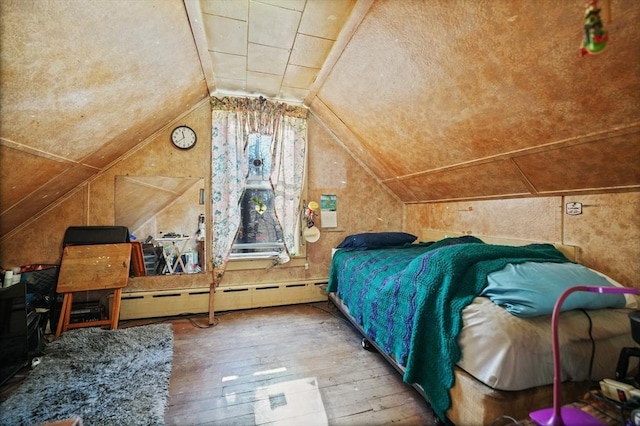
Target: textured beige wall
<point x="363" y="204"/>
<point x="607" y="232"/>
<point x="527" y="218"/>
<point x="71" y="108"/>
<point x="40" y="240"/>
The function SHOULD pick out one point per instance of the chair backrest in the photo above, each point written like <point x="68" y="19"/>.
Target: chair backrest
<point x="89" y="235"/>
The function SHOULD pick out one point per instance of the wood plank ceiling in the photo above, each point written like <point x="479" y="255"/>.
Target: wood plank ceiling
<point x="271" y="48"/>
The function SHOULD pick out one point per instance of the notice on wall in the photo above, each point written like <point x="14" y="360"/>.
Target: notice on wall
<point x="329" y="211"/>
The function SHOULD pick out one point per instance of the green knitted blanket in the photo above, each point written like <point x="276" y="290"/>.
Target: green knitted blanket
<point x="410" y="300"/>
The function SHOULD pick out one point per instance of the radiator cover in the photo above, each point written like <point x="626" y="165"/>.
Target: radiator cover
<point x="151" y="304"/>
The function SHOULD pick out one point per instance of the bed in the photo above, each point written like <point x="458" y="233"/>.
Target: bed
<point x="436" y="310"/>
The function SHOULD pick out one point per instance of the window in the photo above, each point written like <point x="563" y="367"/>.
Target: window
<point x="250" y="173"/>
<point x="259" y="233"/>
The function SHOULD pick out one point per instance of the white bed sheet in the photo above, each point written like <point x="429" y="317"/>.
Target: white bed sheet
<point x="510" y="353"/>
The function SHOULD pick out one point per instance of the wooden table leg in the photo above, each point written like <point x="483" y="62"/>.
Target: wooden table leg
<point x="65" y="314"/>
<point x="115" y="310"/>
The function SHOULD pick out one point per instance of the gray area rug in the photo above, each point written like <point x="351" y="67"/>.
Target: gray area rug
<point x="106" y="377"/>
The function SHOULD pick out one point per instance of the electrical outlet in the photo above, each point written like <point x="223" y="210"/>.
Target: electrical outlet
<point x="617" y="391"/>
<point x="574" y="209"/>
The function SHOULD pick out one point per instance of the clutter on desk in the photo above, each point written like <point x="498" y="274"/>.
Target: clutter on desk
<point x="177" y="255"/>
<point x="11" y="277"/>
<point x="173" y="235"/>
<point x="173" y="252"/>
<point x="200" y="234"/>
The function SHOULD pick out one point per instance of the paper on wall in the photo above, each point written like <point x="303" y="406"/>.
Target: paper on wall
<point x="329" y="211"/>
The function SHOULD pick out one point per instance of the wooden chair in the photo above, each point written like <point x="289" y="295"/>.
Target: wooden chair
<point x="92" y="267"/>
<point x="137" y="260"/>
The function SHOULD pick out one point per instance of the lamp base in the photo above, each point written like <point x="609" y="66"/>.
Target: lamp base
<point x="569" y="416"/>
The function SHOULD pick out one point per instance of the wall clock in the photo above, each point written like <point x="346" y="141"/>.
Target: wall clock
<point x="183" y="137"/>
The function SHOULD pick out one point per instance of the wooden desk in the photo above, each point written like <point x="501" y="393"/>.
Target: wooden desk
<point x="92" y="267"/>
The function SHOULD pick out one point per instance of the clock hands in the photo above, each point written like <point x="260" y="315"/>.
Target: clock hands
<point x="182" y="138"/>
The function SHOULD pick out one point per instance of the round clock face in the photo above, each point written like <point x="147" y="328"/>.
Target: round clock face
<point x="183" y="137"/>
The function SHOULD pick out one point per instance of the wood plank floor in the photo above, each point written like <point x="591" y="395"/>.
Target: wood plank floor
<point x="295" y="365"/>
<point x="290" y="365"/>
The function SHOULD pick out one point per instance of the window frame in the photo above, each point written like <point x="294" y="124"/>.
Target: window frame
<point x="299" y="259"/>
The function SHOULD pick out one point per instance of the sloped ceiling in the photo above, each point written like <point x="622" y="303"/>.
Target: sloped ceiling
<point x="82" y="83"/>
<point x="466" y="99"/>
<point x="441" y="100"/>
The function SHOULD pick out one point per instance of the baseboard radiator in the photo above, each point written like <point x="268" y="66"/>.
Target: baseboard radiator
<point x="161" y="303"/>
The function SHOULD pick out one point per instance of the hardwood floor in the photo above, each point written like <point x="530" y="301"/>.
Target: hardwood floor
<point x="290" y="365"/>
<point x="295" y="365"/>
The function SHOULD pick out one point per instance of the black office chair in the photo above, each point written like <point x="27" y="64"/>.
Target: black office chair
<point x="623" y="361"/>
<point x="95" y="235"/>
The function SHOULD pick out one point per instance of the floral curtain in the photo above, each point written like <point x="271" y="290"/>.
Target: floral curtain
<point x="229" y="166"/>
<point x="287" y="176"/>
<point x="233" y="119"/>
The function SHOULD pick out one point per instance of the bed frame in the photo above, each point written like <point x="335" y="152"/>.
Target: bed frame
<point x="473" y="402"/>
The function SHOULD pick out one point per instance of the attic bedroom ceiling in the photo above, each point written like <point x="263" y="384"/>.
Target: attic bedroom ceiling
<point x="440" y="100"/>
<point x="271" y="48"/>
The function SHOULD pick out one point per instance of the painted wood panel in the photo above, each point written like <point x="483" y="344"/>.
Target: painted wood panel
<point x="607" y="231"/>
<point x="599" y="165"/>
<point x="441" y="84"/>
<point x="494" y="179"/>
<point x="112" y="78"/>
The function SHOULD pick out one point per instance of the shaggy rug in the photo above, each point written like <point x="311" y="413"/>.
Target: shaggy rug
<point x="106" y="377"/>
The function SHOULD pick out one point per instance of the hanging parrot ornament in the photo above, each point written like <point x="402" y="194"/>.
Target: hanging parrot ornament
<point x="595" y="37"/>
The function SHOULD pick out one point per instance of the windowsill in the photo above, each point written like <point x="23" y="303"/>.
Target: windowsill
<point x="244" y="264"/>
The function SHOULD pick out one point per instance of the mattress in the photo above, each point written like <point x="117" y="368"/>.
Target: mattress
<point x="419" y="305"/>
<point x="499" y="349"/>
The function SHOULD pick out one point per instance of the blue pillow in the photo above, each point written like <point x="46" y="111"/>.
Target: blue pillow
<point x="375" y="240"/>
<point x="531" y="289"/>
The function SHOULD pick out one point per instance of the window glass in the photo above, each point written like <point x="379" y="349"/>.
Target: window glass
<point x="259" y="153"/>
<point x="259" y="233"/>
